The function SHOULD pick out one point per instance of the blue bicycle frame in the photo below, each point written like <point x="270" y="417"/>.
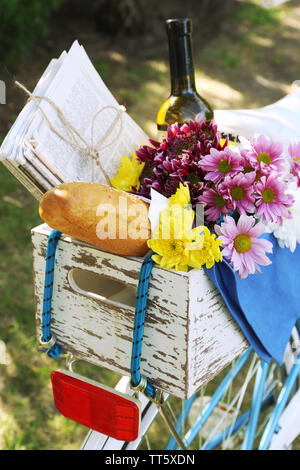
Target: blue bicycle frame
<point x="260" y="401"/>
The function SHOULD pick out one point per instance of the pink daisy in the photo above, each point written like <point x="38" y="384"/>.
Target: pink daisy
<point x="241" y="245"/>
<point x="222" y="163"/>
<point x="247" y="164"/>
<point x="217" y="205"/>
<point x="294" y="152"/>
<point x="272" y="201"/>
<point x="239" y="189"/>
<point x="265" y="155"/>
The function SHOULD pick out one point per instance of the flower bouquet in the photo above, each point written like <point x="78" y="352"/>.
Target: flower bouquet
<point x="244" y="189"/>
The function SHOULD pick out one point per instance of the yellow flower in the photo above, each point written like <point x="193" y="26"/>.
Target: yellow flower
<point x="128" y="174"/>
<point x="230" y="142"/>
<point x="174" y="223"/>
<point x="176" y="246"/>
<point x="181" y="197"/>
<point x="206" y="252"/>
<point x="170" y="254"/>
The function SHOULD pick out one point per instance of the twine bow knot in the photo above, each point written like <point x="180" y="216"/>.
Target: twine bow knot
<point x="76" y="139"/>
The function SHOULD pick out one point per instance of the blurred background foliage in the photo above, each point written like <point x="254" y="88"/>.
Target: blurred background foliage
<point x="22" y="21"/>
<point x="25" y="21"/>
<point x="245" y="56"/>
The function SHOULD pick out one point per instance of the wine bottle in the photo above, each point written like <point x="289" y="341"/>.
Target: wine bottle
<point x="184" y="103"/>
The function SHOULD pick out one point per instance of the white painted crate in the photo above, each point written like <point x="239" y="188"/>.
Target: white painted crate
<point x="189" y="334"/>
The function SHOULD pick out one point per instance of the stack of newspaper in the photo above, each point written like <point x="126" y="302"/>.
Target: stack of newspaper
<point x="38" y="157"/>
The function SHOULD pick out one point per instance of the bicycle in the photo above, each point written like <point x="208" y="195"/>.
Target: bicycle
<point x="255" y="405"/>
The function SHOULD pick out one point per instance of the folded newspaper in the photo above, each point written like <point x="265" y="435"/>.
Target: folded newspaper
<point x="38" y="157"/>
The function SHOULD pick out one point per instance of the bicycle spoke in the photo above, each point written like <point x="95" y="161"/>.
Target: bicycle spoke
<point x="240" y="393"/>
<point x="251" y="372"/>
<point x="255" y="405"/>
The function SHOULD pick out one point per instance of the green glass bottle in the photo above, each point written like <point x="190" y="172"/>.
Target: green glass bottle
<point x="184" y="103"/>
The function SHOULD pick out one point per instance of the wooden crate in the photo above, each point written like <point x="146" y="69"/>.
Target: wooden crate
<point x="189" y="334"/>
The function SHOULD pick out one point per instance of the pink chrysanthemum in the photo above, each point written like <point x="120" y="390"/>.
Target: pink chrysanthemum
<point x="294" y="152"/>
<point x="241" y="245"/>
<point x="216" y="204"/>
<point x="239" y="190"/>
<point x="219" y="164"/>
<point x="272" y="201"/>
<point x="265" y="155"/>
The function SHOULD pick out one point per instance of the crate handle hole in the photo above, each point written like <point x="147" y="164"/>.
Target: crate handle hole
<point x="102" y="288"/>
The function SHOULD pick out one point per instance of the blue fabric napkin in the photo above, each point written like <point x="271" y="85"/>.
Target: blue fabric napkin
<point x="266" y="305"/>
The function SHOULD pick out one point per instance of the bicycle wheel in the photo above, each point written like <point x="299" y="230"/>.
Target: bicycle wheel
<point x="240" y="409"/>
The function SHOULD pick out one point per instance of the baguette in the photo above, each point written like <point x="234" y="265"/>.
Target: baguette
<point x="110" y="219"/>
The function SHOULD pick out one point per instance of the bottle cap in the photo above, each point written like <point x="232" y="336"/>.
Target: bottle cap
<point x="179" y="26"/>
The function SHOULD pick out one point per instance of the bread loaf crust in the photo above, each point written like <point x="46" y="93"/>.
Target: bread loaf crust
<point x="113" y="220"/>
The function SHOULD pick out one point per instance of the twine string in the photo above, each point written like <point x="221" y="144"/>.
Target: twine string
<point x="75" y="137"/>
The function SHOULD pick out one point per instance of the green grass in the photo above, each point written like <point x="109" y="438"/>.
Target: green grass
<point x="26" y="402"/>
<point x="255" y="15"/>
<point x="228" y="55"/>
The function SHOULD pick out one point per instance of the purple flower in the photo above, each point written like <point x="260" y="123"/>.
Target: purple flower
<point x="216" y="204"/>
<point x="176" y="159"/>
<point x="265" y="155"/>
<point x="241" y="245"/>
<point x="146" y="153"/>
<point x="219" y="164"/>
<point x="294" y="152"/>
<point x="272" y="201"/>
<point x="197" y="137"/>
<point x="239" y="190"/>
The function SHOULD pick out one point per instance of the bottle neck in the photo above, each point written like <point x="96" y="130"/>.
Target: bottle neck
<point x="181" y="65"/>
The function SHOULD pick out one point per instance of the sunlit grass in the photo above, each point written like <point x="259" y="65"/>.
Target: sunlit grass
<point x="255" y="15"/>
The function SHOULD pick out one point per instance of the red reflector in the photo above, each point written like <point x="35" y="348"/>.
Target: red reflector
<point x="94" y="405"/>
